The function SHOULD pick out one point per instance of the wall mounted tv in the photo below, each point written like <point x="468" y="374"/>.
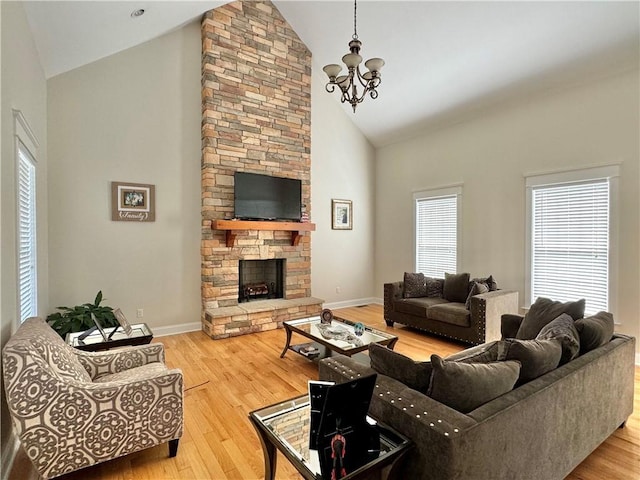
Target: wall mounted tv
<point x="262" y="197"/>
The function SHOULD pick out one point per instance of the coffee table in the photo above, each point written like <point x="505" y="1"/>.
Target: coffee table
<point x="285" y="426"/>
<point x="345" y="342"/>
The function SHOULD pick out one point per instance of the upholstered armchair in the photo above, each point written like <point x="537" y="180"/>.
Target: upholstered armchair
<point x="72" y="409"/>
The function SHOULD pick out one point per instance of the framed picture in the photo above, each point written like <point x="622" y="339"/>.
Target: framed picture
<point x="122" y="320"/>
<point x="133" y="202"/>
<point x="100" y="328"/>
<point x="341" y="215"/>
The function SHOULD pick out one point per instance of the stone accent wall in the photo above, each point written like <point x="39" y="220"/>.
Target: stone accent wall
<point x="256" y="117"/>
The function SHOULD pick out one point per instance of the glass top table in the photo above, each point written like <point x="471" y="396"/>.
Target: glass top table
<point x="286" y="427"/>
<point x="140" y="334"/>
<point x="340" y="336"/>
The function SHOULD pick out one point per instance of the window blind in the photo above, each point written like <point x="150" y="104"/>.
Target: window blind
<point x="27" y="234"/>
<point x="436" y="235"/>
<point x="570" y="243"/>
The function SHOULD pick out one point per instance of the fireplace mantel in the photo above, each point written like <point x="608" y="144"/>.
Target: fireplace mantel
<point x="231" y="226"/>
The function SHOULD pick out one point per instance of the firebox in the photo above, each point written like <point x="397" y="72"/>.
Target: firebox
<point x="261" y="279"/>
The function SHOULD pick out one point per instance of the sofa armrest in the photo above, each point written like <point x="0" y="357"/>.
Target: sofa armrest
<point x="115" y="361"/>
<point x="487" y="308"/>
<point x="510" y="323"/>
<point x="392" y="292"/>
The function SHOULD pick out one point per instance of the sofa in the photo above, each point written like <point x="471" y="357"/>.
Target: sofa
<point x="541" y="429"/>
<point x="456" y="307"/>
<point x="72" y="409"/>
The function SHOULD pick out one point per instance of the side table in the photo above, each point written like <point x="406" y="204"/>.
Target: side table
<point x="285" y="426"/>
<point x="141" y="334"/>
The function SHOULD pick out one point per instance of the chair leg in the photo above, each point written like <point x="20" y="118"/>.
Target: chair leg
<point x="173" y="447"/>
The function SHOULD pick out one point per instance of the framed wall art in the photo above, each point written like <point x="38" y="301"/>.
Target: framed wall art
<point x="133" y="202"/>
<point x="341" y="214"/>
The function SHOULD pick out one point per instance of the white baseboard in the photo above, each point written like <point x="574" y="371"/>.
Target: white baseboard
<point x="352" y="303"/>
<point x="175" y="329"/>
<point x="8" y="455"/>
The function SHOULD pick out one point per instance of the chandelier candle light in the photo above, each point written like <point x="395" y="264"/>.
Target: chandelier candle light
<point x="347" y="83"/>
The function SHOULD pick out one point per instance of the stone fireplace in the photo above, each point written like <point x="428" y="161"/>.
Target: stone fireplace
<point x="256" y="118"/>
<point x="261" y="279"/>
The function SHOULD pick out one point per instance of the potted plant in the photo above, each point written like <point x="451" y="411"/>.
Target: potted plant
<point x="78" y="318"/>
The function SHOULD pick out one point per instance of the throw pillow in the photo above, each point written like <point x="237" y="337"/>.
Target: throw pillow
<point x="488" y="281"/>
<point x="537" y="357"/>
<point x="544" y="311"/>
<point x="563" y="329"/>
<point x="456" y="287"/>
<point x="594" y="331"/>
<point x="484" y="353"/>
<point x="414" y="285"/>
<point x="466" y="386"/>
<point x="477" y="289"/>
<point x="435" y="287"/>
<point x="413" y="374"/>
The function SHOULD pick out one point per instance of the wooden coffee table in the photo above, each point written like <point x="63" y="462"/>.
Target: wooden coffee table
<point x="322" y="339"/>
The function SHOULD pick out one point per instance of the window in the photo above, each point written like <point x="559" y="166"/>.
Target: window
<point x="569" y="234"/>
<point x="26" y="148"/>
<point x="26" y="233"/>
<point x="436" y="231"/>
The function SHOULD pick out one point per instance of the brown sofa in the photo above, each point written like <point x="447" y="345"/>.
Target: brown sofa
<point x="541" y="429"/>
<point x="477" y="323"/>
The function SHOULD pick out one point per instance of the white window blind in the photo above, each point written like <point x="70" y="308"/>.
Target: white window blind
<point x="436" y="235"/>
<point x="570" y="243"/>
<point x="27" y="234"/>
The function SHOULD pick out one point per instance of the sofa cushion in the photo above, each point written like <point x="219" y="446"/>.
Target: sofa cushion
<point x="544" y="311"/>
<point x="456" y="287"/>
<point x="536" y="357"/>
<point x="450" y="312"/>
<point x="488" y="281"/>
<point x="564" y="330"/>
<point x="435" y="287"/>
<point x="413" y="374"/>
<point x="414" y="285"/>
<point x="466" y="386"/>
<point x="476" y="289"/>
<point x="142" y="373"/>
<point x="416" y="306"/>
<point x="484" y="353"/>
<point x="594" y="331"/>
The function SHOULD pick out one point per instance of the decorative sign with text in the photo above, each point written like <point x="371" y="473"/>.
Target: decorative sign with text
<point x="133" y="202"/>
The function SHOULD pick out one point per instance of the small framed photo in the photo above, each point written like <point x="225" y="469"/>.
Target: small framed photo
<point x="133" y="202"/>
<point x="341" y="215"/>
<point x="122" y="320"/>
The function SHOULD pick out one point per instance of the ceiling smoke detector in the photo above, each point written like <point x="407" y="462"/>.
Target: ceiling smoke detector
<point x="137" y="13"/>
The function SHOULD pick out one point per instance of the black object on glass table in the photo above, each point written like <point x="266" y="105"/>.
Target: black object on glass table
<point x="346" y="440"/>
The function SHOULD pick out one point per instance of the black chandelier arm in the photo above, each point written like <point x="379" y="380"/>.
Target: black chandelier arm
<point x="330" y="87"/>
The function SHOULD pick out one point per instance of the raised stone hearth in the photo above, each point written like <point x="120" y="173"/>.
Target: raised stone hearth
<point x="256" y="118"/>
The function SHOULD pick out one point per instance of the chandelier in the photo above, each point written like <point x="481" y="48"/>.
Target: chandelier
<point x="348" y="84"/>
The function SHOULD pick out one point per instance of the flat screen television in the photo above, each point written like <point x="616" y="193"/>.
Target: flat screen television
<point x="262" y="197"/>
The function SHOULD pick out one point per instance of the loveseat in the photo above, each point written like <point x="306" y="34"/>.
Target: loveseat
<point x="456" y="307"/>
<point x="541" y="429"/>
<point x="72" y="409"/>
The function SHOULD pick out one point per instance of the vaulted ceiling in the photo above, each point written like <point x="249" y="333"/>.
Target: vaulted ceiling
<point x="445" y="61"/>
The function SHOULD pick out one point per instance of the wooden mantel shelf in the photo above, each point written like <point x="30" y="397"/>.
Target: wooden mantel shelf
<point x="296" y="228"/>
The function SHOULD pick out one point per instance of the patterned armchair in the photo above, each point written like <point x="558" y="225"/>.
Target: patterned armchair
<point x="72" y="409"/>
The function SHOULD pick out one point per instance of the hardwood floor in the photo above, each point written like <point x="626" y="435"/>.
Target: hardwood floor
<point x="226" y="379"/>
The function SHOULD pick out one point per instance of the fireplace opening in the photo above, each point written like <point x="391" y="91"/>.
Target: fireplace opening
<point x="261" y="279"/>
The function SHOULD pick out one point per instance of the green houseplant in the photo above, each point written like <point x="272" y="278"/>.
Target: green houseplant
<point x="78" y="318"/>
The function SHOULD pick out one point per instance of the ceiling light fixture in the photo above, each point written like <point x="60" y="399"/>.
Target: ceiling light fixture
<point x="137" y="13"/>
<point x="347" y="83"/>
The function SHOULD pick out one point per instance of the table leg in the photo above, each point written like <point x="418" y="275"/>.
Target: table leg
<point x="269" y="451"/>
<point x="288" y="330"/>
<point x="392" y="343"/>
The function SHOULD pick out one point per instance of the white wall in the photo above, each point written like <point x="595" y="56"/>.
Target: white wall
<point x="24" y="88"/>
<point x="133" y="117"/>
<point x="589" y="125"/>
<point x="342" y="167"/>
